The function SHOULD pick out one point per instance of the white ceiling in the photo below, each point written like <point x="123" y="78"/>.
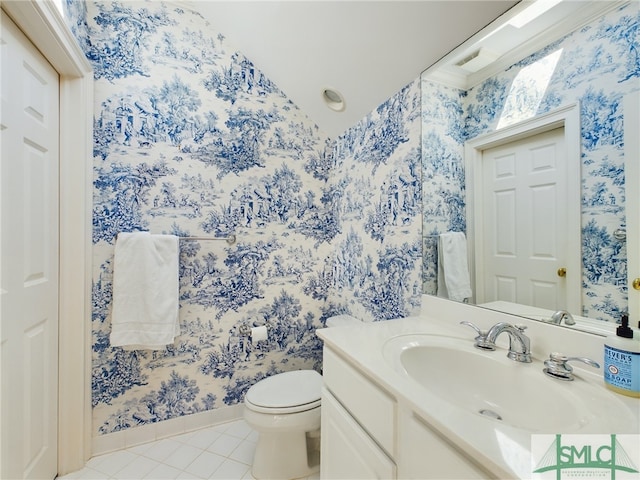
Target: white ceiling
<point x="367" y="50"/>
<point x="517" y="34"/>
<point x="370" y="49"/>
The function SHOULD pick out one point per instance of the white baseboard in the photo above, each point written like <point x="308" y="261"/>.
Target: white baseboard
<point x="154" y="431"/>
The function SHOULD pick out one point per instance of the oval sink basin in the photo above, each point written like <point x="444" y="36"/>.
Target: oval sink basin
<point x="488" y="383"/>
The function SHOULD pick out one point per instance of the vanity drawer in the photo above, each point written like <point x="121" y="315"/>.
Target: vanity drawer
<point x="373" y="408"/>
<point x="348" y="452"/>
<point x="427" y="454"/>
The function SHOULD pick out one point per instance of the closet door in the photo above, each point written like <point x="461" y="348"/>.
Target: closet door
<point x="29" y="132"/>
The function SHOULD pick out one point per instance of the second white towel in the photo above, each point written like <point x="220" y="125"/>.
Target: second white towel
<point x="145" y="291"/>
<point x="453" y="270"/>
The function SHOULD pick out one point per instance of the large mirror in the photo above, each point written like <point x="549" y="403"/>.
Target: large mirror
<point x="523" y="152"/>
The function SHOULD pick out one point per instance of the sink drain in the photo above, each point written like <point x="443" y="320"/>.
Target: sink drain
<point x="490" y="413"/>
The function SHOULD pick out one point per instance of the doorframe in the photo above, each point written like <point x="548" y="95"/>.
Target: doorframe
<point x="568" y="117"/>
<point x="631" y="111"/>
<point x="44" y="25"/>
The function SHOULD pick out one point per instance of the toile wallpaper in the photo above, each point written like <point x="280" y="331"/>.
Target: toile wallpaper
<point x="596" y="66"/>
<point x="191" y="139"/>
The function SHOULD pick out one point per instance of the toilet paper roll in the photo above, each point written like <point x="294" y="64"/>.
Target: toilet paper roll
<point x="258" y="333"/>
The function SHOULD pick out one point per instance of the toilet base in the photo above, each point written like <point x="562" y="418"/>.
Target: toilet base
<point x="285" y="455"/>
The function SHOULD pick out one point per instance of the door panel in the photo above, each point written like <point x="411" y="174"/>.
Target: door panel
<point x="525" y="221"/>
<point x="632" y="186"/>
<point x="29" y="131"/>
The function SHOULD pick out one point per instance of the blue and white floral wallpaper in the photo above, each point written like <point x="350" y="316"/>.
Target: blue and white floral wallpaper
<point x="595" y="65"/>
<point x="377" y="257"/>
<point x="191" y="139"/>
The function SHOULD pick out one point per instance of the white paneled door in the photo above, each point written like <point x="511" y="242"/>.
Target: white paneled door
<point x="632" y="186"/>
<point x="525" y="221"/>
<point x="29" y="126"/>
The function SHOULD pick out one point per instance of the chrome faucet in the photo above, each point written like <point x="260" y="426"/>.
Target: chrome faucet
<point x="556" y="318"/>
<point x="519" y="343"/>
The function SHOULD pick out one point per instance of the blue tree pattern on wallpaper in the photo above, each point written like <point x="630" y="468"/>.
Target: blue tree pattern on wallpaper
<point x="598" y="245"/>
<point x="596" y="65"/>
<point x="190" y="138"/>
<point x="243" y="78"/>
<point x="229" y="287"/>
<point x="127" y="189"/>
<point x="383" y="294"/>
<point x="601" y="120"/>
<point x="114" y="378"/>
<point x="487" y="103"/>
<point x="373" y="141"/>
<point x="623" y="36"/>
<point x="237" y="150"/>
<point x="118" y="52"/>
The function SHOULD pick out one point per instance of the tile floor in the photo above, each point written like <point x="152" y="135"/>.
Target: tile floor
<point x="221" y="452"/>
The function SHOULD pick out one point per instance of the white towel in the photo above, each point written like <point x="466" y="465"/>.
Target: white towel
<point x="453" y="271"/>
<point x="145" y="291"/>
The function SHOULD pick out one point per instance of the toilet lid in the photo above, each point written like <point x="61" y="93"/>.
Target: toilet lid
<point x="286" y="390"/>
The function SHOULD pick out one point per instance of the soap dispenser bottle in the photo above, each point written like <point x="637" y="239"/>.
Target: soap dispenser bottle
<point x="622" y="360"/>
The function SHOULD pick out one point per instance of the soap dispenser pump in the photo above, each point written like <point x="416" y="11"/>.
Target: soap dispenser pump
<point x="622" y="360"/>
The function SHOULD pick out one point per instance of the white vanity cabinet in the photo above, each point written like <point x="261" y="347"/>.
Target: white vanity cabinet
<point x="426" y="454"/>
<point x="367" y="434"/>
<point x="358" y="424"/>
<point x="348" y="452"/>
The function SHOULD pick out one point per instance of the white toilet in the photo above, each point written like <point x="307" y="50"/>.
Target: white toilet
<point x="285" y="411"/>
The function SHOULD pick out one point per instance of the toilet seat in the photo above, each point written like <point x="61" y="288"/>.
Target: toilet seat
<point x="284" y="393"/>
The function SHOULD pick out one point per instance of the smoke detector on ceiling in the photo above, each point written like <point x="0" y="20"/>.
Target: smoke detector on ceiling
<point x="477" y="60"/>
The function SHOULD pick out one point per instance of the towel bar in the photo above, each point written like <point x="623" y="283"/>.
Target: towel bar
<point x="230" y="239"/>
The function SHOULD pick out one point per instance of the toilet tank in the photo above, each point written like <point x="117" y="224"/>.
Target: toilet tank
<point x="342" y="321"/>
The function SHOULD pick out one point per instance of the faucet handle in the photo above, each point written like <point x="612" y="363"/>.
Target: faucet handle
<point x="481" y="339"/>
<point x="556" y="365"/>
<point x="559" y="315"/>
<point x="481" y="333"/>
